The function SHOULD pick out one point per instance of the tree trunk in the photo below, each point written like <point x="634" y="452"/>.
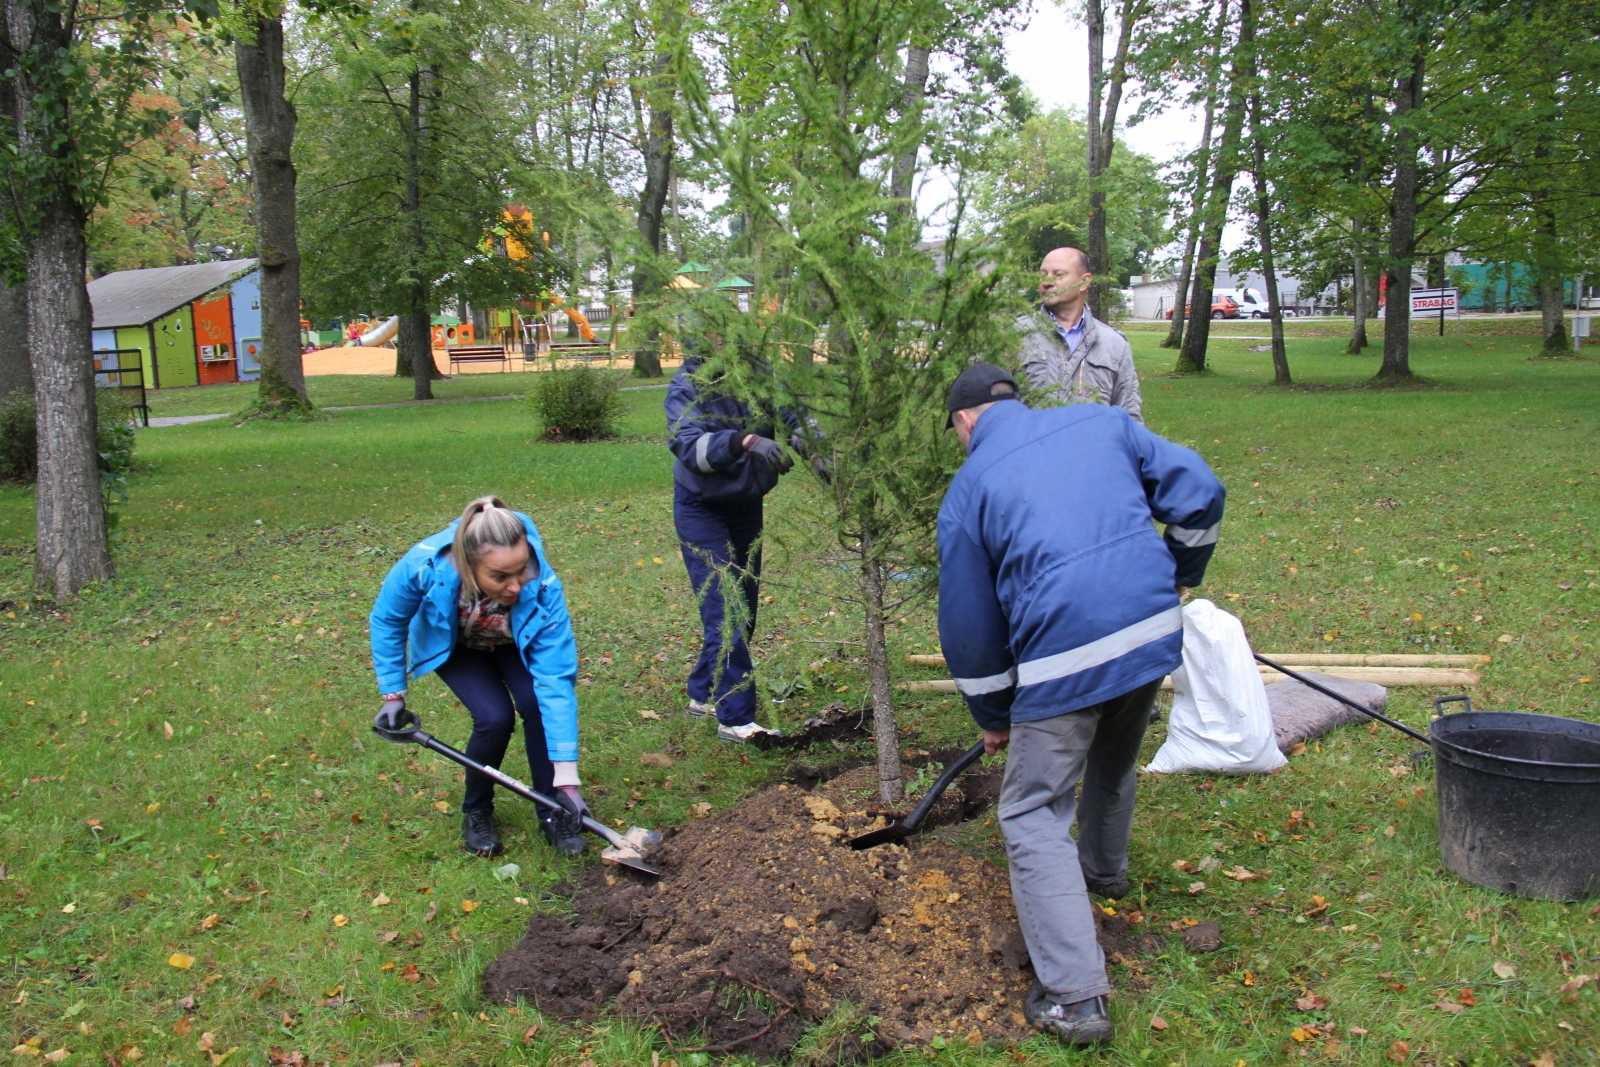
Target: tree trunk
<point x="413" y="346"/>
<point x="1102" y="137"/>
<point x="1358" y="332"/>
<point x="1202" y="166"/>
<point x="1554" y="324"/>
<point x="891" y="781"/>
<point x="16" y="364"/>
<point x="1402" y="228"/>
<point x="647" y="274"/>
<point x="1269" y="271"/>
<point x="1192" y="356"/>
<point x="70" y="546"/>
<point x="269" y="126"/>
<point x="904" y="174"/>
<point x="419" y="349"/>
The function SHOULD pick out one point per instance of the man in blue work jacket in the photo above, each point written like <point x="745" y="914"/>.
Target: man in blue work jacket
<point x="727" y="461"/>
<point x="1059" y="613"/>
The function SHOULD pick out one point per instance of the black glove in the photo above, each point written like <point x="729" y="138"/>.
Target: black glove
<point x="388" y="718"/>
<point x="823" y="467"/>
<point x="772" y="454"/>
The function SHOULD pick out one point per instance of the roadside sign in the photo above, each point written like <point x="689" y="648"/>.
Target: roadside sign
<point x="1435" y="300"/>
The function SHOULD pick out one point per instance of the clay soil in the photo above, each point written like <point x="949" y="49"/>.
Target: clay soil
<point x="765" y="921"/>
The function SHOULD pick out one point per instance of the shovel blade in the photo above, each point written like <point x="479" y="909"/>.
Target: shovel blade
<point x="630" y="849"/>
<point x="887" y="835"/>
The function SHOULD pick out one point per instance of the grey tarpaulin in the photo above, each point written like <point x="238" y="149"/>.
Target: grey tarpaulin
<point x="1303" y="714"/>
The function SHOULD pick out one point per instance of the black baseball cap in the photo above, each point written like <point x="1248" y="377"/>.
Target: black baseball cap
<point x="981" y="383"/>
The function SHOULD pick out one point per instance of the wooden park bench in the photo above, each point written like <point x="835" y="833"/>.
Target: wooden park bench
<point x="480" y="354"/>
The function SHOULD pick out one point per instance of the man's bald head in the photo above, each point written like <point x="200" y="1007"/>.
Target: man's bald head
<point x="1063" y="280"/>
<point x="1059" y="258"/>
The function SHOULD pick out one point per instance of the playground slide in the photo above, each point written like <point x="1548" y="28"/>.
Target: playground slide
<point x="376" y="337"/>
<point x="584" y="328"/>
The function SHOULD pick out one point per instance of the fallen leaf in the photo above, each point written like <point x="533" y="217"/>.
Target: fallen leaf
<point x="1300" y="1033"/>
<point x="1505" y="970"/>
<point x="646" y="713"/>
<point x="1239" y="874"/>
<point x="529" y="1034"/>
<point x="387" y="936"/>
<point x="1547" y="1060"/>
<point x="1449" y="1008"/>
<point x="433" y="909"/>
<point x="68" y="909"/>
<point x="25" y="1050"/>
<point x="181" y="960"/>
<point x="387" y="966"/>
<point x="166" y="728"/>
<point x="1310" y="1002"/>
<point x="380" y="900"/>
<point x="210" y="920"/>
<point x="655" y="759"/>
<point x="1356" y="1031"/>
<point x="1182" y="865"/>
<point x="188" y="1003"/>
<point x="207" y="1042"/>
<point x="57" y="1056"/>
<point x="1157" y="1023"/>
<point x="1299" y="749"/>
<point x="1398" y="987"/>
<point x="183" y="1027"/>
<point x="1388" y="831"/>
<point x="340" y="920"/>
<point x="469" y="906"/>
<point x="130" y="1053"/>
<point x="520" y="900"/>
<point x="1195" y="888"/>
<point x="701" y="810"/>
<point x="1398" y="1052"/>
<point x="442" y="806"/>
<point x="411" y="974"/>
<point x="1249" y="978"/>
<point x="1467" y="999"/>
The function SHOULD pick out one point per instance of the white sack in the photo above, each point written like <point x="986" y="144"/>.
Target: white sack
<point x="1220" y="720"/>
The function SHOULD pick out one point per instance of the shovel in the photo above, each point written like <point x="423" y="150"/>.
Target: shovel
<point x="1341" y="698"/>
<point x="904" y="828"/>
<point x="627" y="849"/>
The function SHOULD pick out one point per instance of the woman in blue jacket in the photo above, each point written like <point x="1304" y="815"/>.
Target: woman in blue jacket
<point x="478" y="603"/>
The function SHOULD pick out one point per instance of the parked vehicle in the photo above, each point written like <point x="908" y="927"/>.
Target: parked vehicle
<point x="1223" y="306"/>
<point x="1252" y="305"/>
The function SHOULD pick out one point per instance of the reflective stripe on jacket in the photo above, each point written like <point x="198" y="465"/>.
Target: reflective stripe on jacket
<point x="1055" y="590"/>
<point x="415" y="617"/>
<point x="1101" y="371"/>
<point x="707" y="431"/>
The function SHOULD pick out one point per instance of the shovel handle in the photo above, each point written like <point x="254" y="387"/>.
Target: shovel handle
<point x="1341" y="698"/>
<point x="951" y="773"/>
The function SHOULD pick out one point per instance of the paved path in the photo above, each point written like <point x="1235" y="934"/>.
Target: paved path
<point x="186" y="420"/>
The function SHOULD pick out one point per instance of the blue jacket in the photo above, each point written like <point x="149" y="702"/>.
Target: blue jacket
<point x="707" y="434"/>
<point x="1055" y="591"/>
<point x="419" y="602"/>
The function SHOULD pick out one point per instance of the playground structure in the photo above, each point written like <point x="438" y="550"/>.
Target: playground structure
<point x="198" y="324"/>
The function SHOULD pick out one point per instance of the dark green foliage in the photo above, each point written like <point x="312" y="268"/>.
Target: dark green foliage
<point x="114" y="442"/>
<point x="581" y="404"/>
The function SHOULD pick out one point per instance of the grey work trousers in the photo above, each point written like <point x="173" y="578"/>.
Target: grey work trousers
<point x="1046" y="758"/>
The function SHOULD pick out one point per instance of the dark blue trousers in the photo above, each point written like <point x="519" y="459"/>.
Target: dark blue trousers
<point x="496" y="687"/>
<point x="716" y="536"/>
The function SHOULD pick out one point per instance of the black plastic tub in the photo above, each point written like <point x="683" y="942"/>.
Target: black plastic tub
<point x="1519" y="802"/>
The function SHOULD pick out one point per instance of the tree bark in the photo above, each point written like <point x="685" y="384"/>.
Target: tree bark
<point x="658" y="151"/>
<point x="904" y="173"/>
<point x="419" y="349"/>
<point x="1202" y="167"/>
<point x="1192" y="356"/>
<point x="1358" y="332"/>
<point x="269" y="127"/>
<point x="1553" y="317"/>
<point x="891" y="780"/>
<point x="16" y="364"/>
<point x="1402" y="227"/>
<point x="1269" y="270"/>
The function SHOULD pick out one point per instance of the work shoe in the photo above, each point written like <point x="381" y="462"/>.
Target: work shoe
<point x="478" y="833"/>
<point x="750" y="731"/>
<point x="1110" y="890"/>
<point x="699" y="711"/>
<point x="1080" y="1025"/>
<point x="564" y="830"/>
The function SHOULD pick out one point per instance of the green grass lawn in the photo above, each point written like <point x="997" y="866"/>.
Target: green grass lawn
<point x="191" y="773"/>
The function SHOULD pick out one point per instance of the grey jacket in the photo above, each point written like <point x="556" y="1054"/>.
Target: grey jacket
<point x="1099" y="372"/>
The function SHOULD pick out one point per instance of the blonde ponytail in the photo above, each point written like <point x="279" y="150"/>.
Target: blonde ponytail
<point x="484" y="522"/>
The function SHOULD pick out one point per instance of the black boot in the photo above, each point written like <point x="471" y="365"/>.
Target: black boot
<point x="1082" y="1024"/>
<point x="564" y="830"/>
<point x="1110" y="890"/>
<point x="479" y="835"/>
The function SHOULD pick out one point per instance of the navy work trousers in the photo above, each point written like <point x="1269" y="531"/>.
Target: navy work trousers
<point x="716" y="537"/>
<point x="496" y="687"/>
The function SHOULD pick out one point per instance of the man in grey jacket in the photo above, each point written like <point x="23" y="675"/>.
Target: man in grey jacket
<point x="1069" y="353"/>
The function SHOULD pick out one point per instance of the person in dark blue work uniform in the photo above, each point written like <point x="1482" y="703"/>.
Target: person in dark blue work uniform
<point x="1060" y="612"/>
<point x="727" y="460"/>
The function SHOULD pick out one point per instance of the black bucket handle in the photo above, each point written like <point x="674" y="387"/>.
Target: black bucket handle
<point x="1440" y="702"/>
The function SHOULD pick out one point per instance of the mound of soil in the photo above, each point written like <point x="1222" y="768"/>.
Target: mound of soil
<point x="765" y="921"/>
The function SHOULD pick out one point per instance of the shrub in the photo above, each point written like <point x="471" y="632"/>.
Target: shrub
<point x="581" y="404"/>
<point x="19" y="442"/>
